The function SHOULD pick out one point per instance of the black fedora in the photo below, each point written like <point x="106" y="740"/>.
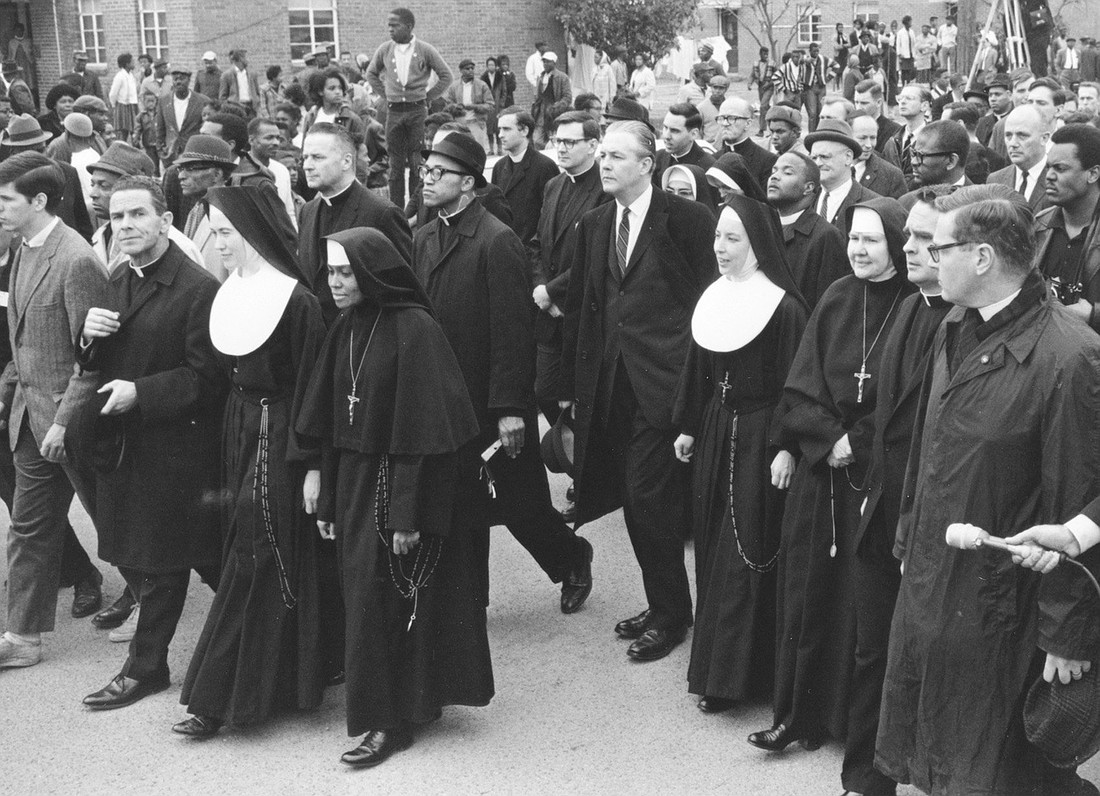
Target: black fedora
<point x="1063" y="720"/>
<point x="464" y="151"/>
<point x="625" y="109"/>
<point x="557" y="445"/>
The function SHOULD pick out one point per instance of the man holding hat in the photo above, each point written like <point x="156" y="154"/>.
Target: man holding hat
<point x="474" y="97"/>
<point x="476" y="273"/>
<point x="553" y="94"/>
<point x="209" y="80"/>
<point x="179" y="117"/>
<point x="834" y="150"/>
<point x="86" y="82"/>
<point x="785" y="130"/>
<point x="17" y="90"/>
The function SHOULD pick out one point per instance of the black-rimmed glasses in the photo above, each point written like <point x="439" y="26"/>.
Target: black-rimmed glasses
<point x="934" y="250"/>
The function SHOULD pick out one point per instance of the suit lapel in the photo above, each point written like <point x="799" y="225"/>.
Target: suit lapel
<point x="466" y="227"/>
<point x="49" y="250"/>
<point x="645" y="235"/>
<point x="570" y="214"/>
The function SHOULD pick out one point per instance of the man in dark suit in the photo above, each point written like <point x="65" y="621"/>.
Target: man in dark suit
<point x="871" y="169"/>
<point x="999" y="91"/>
<point x="553" y="93"/>
<point x="816" y="250"/>
<point x="476" y="273"/>
<point x="939" y="157"/>
<point x="341" y="202"/>
<point x="522" y="173"/>
<point x="238" y="83"/>
<point x="179" y="116"/>
<point x="734" y="121"/>
<point x="640" y="264"/>
<point x="54" y="281"/>
<point x="869" y="100"/>
<point x="163" y="393"/>
<point x="834" y="150"/>
<point x="87" y="83"/>
<point x="1027" y="131"/>
<point x="682" y="129"/>
<point x="913" y="107"/>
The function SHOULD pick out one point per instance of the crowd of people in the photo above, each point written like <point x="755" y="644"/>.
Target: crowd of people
<point x="301" y="347"/>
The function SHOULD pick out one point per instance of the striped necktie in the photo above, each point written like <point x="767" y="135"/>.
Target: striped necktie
<point x="622" y="239"/>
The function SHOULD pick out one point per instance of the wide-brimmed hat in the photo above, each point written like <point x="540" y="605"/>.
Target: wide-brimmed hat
<point x="624" y="109"/>
<point x="78" y="124"/>
<point x="464" y="151"/>
<point x="24" y="130"/>
<point x="206" y="149"/>
<point x="124" y="160"/>
<point x="557" y="446"/>
<point x="1063" y="720"/>
<point x="834" y="130"/>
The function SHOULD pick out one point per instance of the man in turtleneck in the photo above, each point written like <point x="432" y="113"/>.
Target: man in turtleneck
<point x="682" y="129"/>
<point x="475" y="271"/>
<point x="734" y="120"/>
<point x="905" y="354"/>
<point x="815" y="248"/>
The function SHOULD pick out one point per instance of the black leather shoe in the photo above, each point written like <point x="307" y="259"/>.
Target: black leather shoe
<point x="123" y="691"/>
<point x="118" y="612"/>
<point x="709" y="704"/>
<point x="198" y="727"/>
<point x="776" y="739"/>
<point x="656" y="643"/>
<point x="337" y="679"/>
<point x="578" y="583"/>
<point x="634" y="626"/>
<point x="87" y="595"/>
<point x="377" y="746"/>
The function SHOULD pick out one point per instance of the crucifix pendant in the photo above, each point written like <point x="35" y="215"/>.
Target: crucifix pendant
<point x="861" y="377"/>
<point x="353" y="400"/>
<point x="725" y="385"/>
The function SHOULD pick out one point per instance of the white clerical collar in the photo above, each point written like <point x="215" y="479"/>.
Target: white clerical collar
<point x="991" y="310"/>
<point x="328" y="199"/>
<point x="574" y="177"/>
<point x="793" y="217"/>
<point x="961" y="181"/>
<point x="924" y="294"/>
<point x="140" y="269"/>
<point x="448" y="218"/>
<point x="514" y="157"/>
<point x="39" y="240"/>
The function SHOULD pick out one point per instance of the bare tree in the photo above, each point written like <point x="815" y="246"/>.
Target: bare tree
<point x="768" y="18"/>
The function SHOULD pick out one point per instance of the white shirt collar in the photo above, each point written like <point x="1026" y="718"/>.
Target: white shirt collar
<point x="39" y="240"/>
<point x="836" y="197"/>
<point x="638" y="208"/>
<point x="992" y="309"/>
<point x="1032" y="176"/>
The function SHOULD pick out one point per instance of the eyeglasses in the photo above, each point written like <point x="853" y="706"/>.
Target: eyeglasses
<point x="918" y="157"/>
<point x="934" y="250"/>
<point x="437" y="172"/>
<point x="731" y="119"/>
<point x="567" y="143"/>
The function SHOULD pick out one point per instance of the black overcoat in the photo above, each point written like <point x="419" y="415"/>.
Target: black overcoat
<point x="523" y="185"/>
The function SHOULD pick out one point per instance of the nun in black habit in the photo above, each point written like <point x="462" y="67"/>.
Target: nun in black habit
<point x="746" y="328"/>
<point x="259" y="649"/>
<point x="827" y="416"/>
<point x="690" y="182"/>
<point x="391" y="406"/>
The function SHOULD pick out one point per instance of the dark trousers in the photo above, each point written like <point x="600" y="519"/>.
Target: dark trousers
<point x="404" y="140"/>
<point x="524" y="506"/>
<point x="654" y="490"/>
<point x="765" y="94"/>
<point x="812" y="99"/>
<point x="40" y="509"/>
<point x="877" y="583"/>
<point x="161" y="596"/>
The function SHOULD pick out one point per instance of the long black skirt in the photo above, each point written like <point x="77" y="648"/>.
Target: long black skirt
<point x="396" y="672"/>
<point x="733" y="644"/>
<point x="255" y="653"/>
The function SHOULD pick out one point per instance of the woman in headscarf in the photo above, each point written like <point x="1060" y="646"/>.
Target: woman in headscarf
<point x="730" y="175"/>
<point x="398" y="491"/>
<point x="689" y="182"/>
<point x="827" y="413"/>
<point x="746" y="329"/>
<point x="259" y="649"/>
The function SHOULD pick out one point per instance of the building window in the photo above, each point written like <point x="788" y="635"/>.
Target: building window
<point x="154" y="28"/>
<point x="91" y="30"/>
<point x="809" y="25"/>
<point x="312" y="25"/>
<point x="868" y="12"/>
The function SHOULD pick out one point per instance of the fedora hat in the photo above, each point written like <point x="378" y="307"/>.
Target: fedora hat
<point x="627" y="110"/>
<point x="557" y="446"/>
<point x="206" y="149"/>
<point x="124" y="160"/>
<point x="1063" y="720"/>
<point x="24" y="130"/>
<point x="464" y="151"/>
<point x="834" y="130"/>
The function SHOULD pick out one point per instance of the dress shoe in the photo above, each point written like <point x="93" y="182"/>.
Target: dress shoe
<point x="776" y="739"/>
<point x="198" y="727"/>
<point x="578" y="583"/>
<point x="123" y="691"/>
<point x="709" y="704"/>
<point x="378" y="745"/>
<point x="87" y="595"/>
<point x="14" y="655"/>
<point x="124" y="633"/>
<point x="113" y="616"/>
<point x="656" y="643"/>
<point x="337" y="679"/>
<point x="634" y="626"/>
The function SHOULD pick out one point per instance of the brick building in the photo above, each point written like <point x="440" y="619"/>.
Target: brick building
<point x="273" y="31"/>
